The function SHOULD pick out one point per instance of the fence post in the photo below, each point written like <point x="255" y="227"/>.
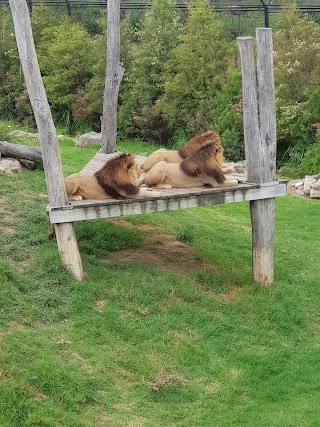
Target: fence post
<point x="260" y="142"/>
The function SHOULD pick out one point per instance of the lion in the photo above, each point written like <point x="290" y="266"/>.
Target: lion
<point x="201" y="168"/>
<point x="177" y="156"/>
<point x="118" y="178"/>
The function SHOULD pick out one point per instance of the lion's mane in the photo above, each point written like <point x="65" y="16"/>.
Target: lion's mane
<point x="119" y="175"/>
<point x="205" y="161"/>
<point x="199" y="141"/>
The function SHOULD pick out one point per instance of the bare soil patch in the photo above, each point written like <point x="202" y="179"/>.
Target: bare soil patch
<point x="162" y="250"/>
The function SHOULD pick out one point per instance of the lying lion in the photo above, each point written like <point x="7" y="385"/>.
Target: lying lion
<point x="201" y="168"/>
<point x="118" y="178"/>
<point x="177" y="156"/>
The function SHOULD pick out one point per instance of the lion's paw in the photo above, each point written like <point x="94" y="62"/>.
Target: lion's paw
<point x="153" y="193"/>
<point x="77" y="198"/>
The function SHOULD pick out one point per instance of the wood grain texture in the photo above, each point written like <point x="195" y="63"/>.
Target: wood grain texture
<point x="171" y="199"/>
<point x="47" y="132"/>
<point x="66" y="239"/>
<point x="114" y="74"/>
<point x="19" y="151"/>
<point x="250" y="109"/>
<point x="68" y="249"/>
<point x="260" y="140"/>
<point x="267" y="104"/>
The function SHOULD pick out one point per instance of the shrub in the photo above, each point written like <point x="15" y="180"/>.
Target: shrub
<point x="198" y="69"/>
<point x="310" y="163"/>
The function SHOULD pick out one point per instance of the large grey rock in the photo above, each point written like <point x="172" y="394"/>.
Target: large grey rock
<point x="309" y="181"/>
<point x="10" y="166"/>
<point x="315" y="190"/>
<point x="89" y="139"/>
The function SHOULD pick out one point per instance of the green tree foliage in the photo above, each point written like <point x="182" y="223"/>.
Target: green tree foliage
<point x="297" y="77"/>
<point x="66" y="62"/>
<point x="11" y="80"/>
<point x="197" y="71"/>
<point x="144" y="81"/>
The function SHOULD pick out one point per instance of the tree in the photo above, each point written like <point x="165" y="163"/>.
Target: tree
<point x="197" y="71"/>
<point x="144" y="80"/>
<point x="297" y="78"/>
<point x="66" y="61"/>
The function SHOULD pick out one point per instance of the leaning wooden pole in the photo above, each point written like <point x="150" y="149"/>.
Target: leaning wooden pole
<point x="66" y="239"/>
<point x="260" y="145"/>
<point x="114" y="74"/>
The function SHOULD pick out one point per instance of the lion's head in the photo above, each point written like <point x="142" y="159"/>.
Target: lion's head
<point x="205" y="161"/>
<point x="120" y="174"/>
<point x="198" y="141"/>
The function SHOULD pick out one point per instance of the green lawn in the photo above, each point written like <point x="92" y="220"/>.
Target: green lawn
<point x="194" y="344"/>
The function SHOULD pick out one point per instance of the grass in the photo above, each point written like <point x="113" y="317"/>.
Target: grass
<point x="138" y="345"/>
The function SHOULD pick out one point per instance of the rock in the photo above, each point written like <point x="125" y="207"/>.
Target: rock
<point x="89" y="139"/>
<point x="308" y="183"/>
<point x="315" y="190"/>
<point x="299" y="184"/>
<point x="28" y="164"/>
<point x="10" y="166"/>
<point x="21" y="133"/>
<point x="316" y="176"/>
<point x="238" y="167"/>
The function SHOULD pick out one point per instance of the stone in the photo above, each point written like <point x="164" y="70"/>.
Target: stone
<point x="308" y="183"/>
<point x="10" y="166"/>
<point x="21" y="133"/>
<point x="27" y="164"/>
<point x="315" y="190"/>
<point x="89" y="139"/>
<point x="299" y="184"/>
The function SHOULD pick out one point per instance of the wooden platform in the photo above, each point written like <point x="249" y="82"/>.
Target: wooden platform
<point x="170" y="199"/>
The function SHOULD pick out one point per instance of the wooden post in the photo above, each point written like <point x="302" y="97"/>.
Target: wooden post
<point x="114" y="74"/>
<point x="260" y="142"/>
<point x="66" y="239"/>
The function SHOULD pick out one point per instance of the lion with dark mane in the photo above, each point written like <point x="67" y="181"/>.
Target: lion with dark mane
<point x="194" y="144"/>
<point x="201" y="168"/>
<point x="118" y="178"/>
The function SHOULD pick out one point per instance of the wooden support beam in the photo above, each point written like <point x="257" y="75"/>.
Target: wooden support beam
<point x="47" y="133"/>
<point x="169" y="200"/>
<point x="114" y="74"/>
<point x="260" y="142"/>
<point x="20" y="151"/>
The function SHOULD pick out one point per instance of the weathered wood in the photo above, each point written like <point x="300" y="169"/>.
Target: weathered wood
<point x="47" y="133"/>
<point x="114" y="74"/>
<point x="263" y="211"/>
<point x="260" y="140"/>
<point x="267" y="110"/>
<point x="19" y="151"/>
<point x="250" y="109"/>
<point x="68" y="249"/>
<point x="169" y="200"/>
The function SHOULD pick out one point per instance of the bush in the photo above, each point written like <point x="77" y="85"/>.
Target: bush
<point x="310" y="164"/>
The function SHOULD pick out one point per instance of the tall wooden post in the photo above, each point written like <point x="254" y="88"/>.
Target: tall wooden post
<point x="66" y="239"/>
<point x="260" y="145"/>
<point x="114" y="74"/>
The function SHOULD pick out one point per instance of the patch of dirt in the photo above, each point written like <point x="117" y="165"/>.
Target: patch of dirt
<point x="165" y="379"/>
<point x="162" y="250"/>
<point x="7" y="231"/>
<point x="166" y="252"/>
